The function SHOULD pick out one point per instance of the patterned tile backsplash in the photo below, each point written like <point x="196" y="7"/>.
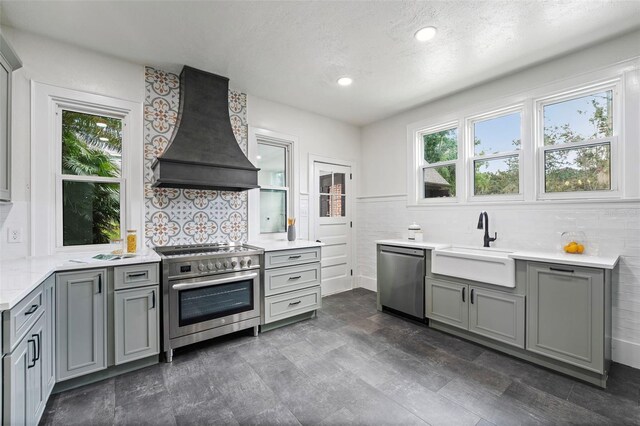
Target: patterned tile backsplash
<point x="187" y="216"/>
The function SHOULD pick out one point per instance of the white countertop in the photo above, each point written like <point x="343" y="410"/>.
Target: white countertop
<point x="19" y="277"/>
<point x="603" y="262"/>
<point x="273" y="245"/>
<point x="427" y="245"/>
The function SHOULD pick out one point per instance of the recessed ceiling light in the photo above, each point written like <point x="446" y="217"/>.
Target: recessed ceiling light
<point x="104" y="139"/>
<point x="101" y="124"/>
<point x="345" y="81"/>
<point x="425" y="34"/>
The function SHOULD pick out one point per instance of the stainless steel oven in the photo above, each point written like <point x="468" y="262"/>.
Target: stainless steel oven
<point x="203" y="303"/>
<point x="208" y="291"/>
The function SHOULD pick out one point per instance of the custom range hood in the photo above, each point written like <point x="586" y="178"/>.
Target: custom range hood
<point x="203" y="152"/>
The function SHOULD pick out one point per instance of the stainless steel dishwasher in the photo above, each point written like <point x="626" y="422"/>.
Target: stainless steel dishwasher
<point x="401" y="273"/>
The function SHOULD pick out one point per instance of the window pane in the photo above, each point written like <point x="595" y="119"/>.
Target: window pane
<point x="326" y="182"/>
<point x="90" y="212"/>
<point x="333" y="206"/>
<point x="578" y="169"/>
<point x="273" y="210"/>
<point x="325" y="206"/>
<point x="498" y="176"/>
<point x="441" y="146"/>
<point x="91" y="145"/>
<point x="272" y="162"/>
<point x="578" y="119"/>
<point x="500" y="134"/>
<point x="440" y="181"/>
<point x="338" y="183"/>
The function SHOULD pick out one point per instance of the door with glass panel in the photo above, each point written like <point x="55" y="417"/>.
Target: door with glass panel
<point x="332" y="210"/>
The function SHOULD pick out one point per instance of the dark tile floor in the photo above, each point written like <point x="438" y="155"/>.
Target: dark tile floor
<point x="350" y="365"/>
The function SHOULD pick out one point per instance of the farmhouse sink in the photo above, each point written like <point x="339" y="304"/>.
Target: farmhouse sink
<point x="487" y="265"/>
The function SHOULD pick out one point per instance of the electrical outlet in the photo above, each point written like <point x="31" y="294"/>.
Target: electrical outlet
<point x="14" y="235"/>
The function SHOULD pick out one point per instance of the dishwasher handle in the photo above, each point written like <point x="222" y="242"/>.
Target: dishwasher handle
<point x="402" y="250"/>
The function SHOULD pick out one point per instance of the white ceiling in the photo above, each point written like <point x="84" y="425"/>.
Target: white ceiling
<point x="293" y="52"/>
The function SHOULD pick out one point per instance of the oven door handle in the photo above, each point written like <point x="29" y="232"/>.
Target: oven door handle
<point x="187" y="286"/>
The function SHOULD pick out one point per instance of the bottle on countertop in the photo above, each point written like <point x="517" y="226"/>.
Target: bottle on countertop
<point x="413" y="229"/>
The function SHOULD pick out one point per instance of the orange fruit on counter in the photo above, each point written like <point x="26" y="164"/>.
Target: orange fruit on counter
<point x="580" y="248"/>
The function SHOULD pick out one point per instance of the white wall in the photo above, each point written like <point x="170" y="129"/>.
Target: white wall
<point x="611" y="227"/>
<point x="58" y="64"/>
<point x="314" y="135"/>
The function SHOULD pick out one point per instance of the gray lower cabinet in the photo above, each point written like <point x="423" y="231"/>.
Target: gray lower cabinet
<point x="566" y="315"/>
<point x="490" y="313"/>
<point x="136" y="319"/>
<point x="24" y="378"/>
<point x="291" y="284"/>
<point x="447" y="302"/>
<point x="81" y="323"/>
<point x="497" y="315"/>
<point x="49" y="341"/>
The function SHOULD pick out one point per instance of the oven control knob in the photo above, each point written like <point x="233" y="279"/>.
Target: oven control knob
<point x="201" y="267"/>
<point x="226" y="264"/>
<point x="218" y="265"/>
<point x="233" y="263"/>
<point x="248" y="262"/>
<point x="242" y="263"/>
<point x="210" y="266"/>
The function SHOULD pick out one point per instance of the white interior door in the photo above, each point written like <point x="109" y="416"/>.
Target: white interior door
<point x="332" y="223"/>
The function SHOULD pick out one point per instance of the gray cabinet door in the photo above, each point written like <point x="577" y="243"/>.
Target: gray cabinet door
<point x="565" y="314"/>
<point x="447" y="302"/>
<point x="497" y="315"/>
<point x="81" y="299"/>
<point x="136" y="324"/>
<point x="24" y="396"/>
<point x="49" y="340"/>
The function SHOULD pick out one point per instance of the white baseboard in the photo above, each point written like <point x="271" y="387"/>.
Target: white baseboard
<point x="627" y="353"/>
<point x="367" y="283"/>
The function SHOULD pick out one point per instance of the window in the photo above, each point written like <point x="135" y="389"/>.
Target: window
<point x="578" y="143"/>
<point x="439" y="165"/>
<point x="90" y="188"/>
<point x="274" y="161"/>
<point x="496" y="155"/>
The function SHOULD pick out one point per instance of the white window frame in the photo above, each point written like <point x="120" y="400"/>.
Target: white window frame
<point x="61" y="178"/>
<point x="288" y="146"/>
<point x="46" y="164"/>
<point x="615" y="160"/>
<point x="422" y="164"/>
<point x="472" y="157"/>
<point x="259" y="134"/>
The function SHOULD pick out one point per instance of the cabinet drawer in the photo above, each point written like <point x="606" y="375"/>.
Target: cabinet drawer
<point x="290" y="304"/>
<point x="274" y="259"/>
<point x="281" y="280"/>
<point x="18" y="320"/>
<point x="135" y="275"/>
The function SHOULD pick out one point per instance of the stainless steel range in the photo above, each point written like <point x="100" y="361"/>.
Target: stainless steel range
<point x="207" y="291"/>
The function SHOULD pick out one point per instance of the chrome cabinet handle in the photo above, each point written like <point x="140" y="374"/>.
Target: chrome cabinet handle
<point x="137" y="274"/>
<point x="33" y="358"/>
<point x="32" y="309"/>
<point x="471" y="296"/>
<point x="99" y="283"/>
<point x="295" y="303"/>
<point x="297" y="277"/>
<point x="570" y="271"/>
<point x="463" y="293"/>
<point x="298" y="256"/>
